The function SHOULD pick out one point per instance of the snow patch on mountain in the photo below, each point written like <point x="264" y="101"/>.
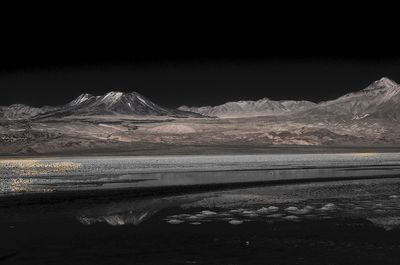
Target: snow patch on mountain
<point x="79" y="100"/>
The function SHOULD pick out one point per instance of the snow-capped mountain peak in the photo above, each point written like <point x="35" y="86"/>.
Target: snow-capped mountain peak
<point x="116" y="102"/>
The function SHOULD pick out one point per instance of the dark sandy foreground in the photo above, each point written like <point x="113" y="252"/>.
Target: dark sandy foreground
<point x="337" y="222"/>
<point x="64" y="241"/>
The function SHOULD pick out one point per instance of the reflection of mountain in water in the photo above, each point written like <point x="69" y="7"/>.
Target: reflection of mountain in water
<point x="375" y="201"/>
<point x="132" y="217"/>
<point x="123" y="213"/>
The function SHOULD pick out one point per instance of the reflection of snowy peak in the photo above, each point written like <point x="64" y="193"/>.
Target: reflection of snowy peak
<point x="381" y="99"/>
<point x="131" y="217"/>
<point x="260" y="107"/>
<point x="123" y="213"/>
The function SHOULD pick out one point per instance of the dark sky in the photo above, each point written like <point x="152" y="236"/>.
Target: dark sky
<point x="197" y="82"/>
<point x="181" y="62"/>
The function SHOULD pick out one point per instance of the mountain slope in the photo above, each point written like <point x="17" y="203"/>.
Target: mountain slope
<point x="262" y="107"/>
<point x="19" y="112"/>
<point x="380" y="99"/>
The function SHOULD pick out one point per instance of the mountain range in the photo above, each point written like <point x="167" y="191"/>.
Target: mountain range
<point x="111" y="104"/>
<point x="129" y="122"/>
<point x="245" y="108"/>
<point x="379" y="100"/>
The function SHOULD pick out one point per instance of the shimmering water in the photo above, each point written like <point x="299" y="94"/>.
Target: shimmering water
<point x="83" y="173"/>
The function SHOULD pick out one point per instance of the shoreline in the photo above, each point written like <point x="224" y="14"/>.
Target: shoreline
<point x="210" y="150"/>
<point x="90" y="176"/>
<point x="35" y="198"/>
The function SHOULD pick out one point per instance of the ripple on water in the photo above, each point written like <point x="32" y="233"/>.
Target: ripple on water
<point x="237" y="210"/>
<point x="269" y="209"/>
<point x="174" y="221"/>
<point x="275" y="215"/>
<point x="236" y="222"/>
<point x="291" y="209"/>
<point x="207" y="212"/>
<point x="328" y="207"/>
<point x="291" y="218"/>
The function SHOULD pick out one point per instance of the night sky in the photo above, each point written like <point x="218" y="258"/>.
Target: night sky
<point x="203" y="82"/>
<point x="197" y="66"/>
